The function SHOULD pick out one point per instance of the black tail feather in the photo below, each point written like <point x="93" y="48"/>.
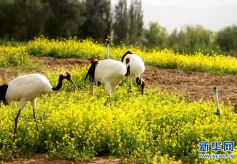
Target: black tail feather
<point x="128" y="71"/>
<point x="128" y="67"/>
<point x="91" y="71"/>
<point x="3" y="91"/>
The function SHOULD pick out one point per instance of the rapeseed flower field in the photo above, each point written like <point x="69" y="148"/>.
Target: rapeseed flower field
<point x="157" y="127"/>
<point x="215" y="63"/>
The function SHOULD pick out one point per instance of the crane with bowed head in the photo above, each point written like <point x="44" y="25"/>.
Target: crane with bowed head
<point x="27" y="88"/>
<point x="137" y="67"/>
<point x="108" y="71"/>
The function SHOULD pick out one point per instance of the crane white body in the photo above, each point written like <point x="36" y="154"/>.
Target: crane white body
<point x="27" y="87"/>
<point x="137" y="66"/>
<point x="109" y="72"/>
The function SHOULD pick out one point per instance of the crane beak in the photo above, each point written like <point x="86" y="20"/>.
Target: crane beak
<point x="91" y="60"/>
<point x="73" y="83"/>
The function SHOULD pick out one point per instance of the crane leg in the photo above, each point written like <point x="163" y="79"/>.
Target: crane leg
<point x="109" y="91"/>
<point x="129" y="84"/>
<point x="33" y="104"/>
<point x="91" y="88"/>
<point x="21" y="105"/>
<point x="110" y="101"/>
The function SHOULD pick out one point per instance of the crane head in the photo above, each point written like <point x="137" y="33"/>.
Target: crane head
<point x="67" y="76"/>
<point x="140" y="82"/>
<point x="92" y="60"/>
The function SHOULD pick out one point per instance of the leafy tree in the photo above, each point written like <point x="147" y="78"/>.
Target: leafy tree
<point x="121" y="23"/>
<point x="128" y="23"/>
<point x="191" y="38"/>
<point x="64" y="19"/>
<point x="21" y="19"/>
<point x="227" y="39"/>
<point x="98" y="19"/>
<point x="155" y="36"/>
<point x="135" y="21"/>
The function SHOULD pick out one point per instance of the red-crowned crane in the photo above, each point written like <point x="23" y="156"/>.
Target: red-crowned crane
<point x="137" y="67"/>
<point x="28" y="88"/>
<point x="108" y="71"/>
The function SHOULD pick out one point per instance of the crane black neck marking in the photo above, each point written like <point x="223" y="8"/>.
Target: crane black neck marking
<point x="3" y="91"/>
<point x="91" y="71"/>
<point x="60" y="83"/>
<point x="128" y="52"/>
<point x="128" y="71"/>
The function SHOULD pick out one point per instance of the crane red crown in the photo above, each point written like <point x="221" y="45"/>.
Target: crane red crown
<point x="66" y="75"/>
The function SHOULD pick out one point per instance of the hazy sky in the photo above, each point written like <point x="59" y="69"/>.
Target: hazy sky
<point x="189" y="3"/>
<point x="171" y="14"/>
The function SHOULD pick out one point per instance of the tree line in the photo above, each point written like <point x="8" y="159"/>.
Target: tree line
<point x="26" y="19"/>
<point x="192" y="39"/>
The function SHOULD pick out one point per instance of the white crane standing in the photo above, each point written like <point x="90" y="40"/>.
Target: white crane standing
<point x="108" y="71"/>
<point x="137" y="67"/>
<point x="27" y="88"/>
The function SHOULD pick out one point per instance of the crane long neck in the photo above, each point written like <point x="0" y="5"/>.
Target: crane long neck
<point x="59" y="85"/>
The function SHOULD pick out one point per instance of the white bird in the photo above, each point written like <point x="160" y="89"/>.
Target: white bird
<point x="27" y="88"/>
<point x="137" y="67"/>
<point x="108" y="71"/>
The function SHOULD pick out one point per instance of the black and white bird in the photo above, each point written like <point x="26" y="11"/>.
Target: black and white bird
<point x="137" y="67"/>
<point x="28" y="88"/>
<point x="109" y="72"/>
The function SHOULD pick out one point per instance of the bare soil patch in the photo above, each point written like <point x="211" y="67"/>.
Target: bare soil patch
<point x="55" y="63"/>
<point x="195" y="85"/>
